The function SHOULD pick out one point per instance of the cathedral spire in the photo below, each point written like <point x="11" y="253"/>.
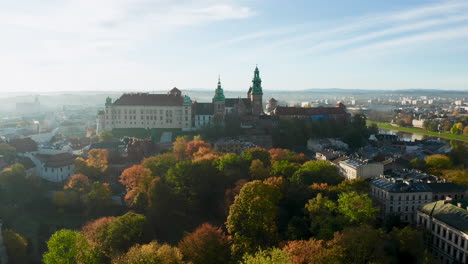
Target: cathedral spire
<point x="219" y="93"/>
<point x="257" y="82"/>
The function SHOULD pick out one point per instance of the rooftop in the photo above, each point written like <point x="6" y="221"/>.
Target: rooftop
<point x="308" y="111"/>
<point x="150" y="99"/>
<point x="449" y="213"/>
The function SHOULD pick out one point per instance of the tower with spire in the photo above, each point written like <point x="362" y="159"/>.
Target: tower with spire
<point x="219" y="101"/>
<point x="255" y="93"/>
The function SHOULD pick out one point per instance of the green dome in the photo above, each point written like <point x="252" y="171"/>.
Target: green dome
<point x="219" y="93"/>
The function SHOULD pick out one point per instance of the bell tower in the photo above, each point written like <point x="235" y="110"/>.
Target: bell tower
<point x="219" y="101"/>
<point x="255" y="93"/>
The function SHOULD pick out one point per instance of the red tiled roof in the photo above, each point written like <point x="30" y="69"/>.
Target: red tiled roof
<point x="24" y="144"/>
<point x="149" y="99"/>
<point x="309" y="111"/>
<point x="56" y="160"/>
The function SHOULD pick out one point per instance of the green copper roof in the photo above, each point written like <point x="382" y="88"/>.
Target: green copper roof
<point x="257" y="82"/>
<point x="108" y="101"/>
<point x="187" y="100"/>
<point x="449" y="213"/>
<point x="219" y="93"/>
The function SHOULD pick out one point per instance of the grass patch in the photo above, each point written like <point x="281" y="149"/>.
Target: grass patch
<point x="387" y="126"/>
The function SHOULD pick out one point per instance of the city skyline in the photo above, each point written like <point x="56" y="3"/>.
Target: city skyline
<point x="145" y="46"/>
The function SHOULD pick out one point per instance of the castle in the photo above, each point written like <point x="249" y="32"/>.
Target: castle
<point x="174" y="110"/>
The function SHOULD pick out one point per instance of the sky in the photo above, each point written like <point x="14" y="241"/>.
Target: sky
<point x="154" y="45"/>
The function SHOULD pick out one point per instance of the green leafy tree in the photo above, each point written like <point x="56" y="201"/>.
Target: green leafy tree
<point x="253" y="216"/>
<point x="357" y="208"/>
<point x="7" y="152"/>
<point x="284" y="168"/>
<point x="257" y="153"/>
<point x="438" y="162"/>
<point x="98" y="199"/>
<point x="206" y="245"/>
<point x="160" y="164"/>
<point x="268" y="256"/>
<point x="62" y="247"/>
<point x="457" y="129"/>
<point x="324" y="222"/>
<point x="357" y="185"/>
<point x="16" y="246"/>
<point x="320" y="171"/>
<point x="106" y="136"/>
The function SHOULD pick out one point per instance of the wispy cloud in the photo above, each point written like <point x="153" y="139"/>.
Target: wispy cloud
<point x="353" y="32"/>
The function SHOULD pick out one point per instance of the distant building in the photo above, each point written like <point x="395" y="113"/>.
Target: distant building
<point x="419" y="123"/>
<point x="29" y="107"/>
<point x="327" y="155"/>
<point x="399" y="197"/>
<point x="144" y="110"/>
<point x="447" y="222"/>
<point x="53" y="167"/>
<point x="172" y="110"/>
<point x="360" y="169"/>
<point x="312" y="113"/>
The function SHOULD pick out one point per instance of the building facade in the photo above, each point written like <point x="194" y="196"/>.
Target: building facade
<point x="358" y="169"/>
<point x="447" y="222"/>
<point x="144" y="110"/>
<point x="399" y="197"/>
<point x="172" y="110"/>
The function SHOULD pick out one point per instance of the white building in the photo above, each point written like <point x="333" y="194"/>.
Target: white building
<point x="419" y="123"/>
<point x="399" y="197"/>
<point x="447" y="222"/>
<point x="145" y="110"/>
<point x="54" y="166"/>
<point x="359" y="169"/>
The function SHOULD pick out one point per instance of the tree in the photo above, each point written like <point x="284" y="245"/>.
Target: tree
<point x="233" y="167"/>
<point x="136" y="180"/>
<point x="361" y="245"/>
<point x="457" y="176"/>
<point x="320" y="171"/>
<point x="98" y="198"/>
<point x="457" y="129"/>
<point x="206" y="245"/>
<point x="284" y="168"/>
<point x="257" y="153"/>
<point x="279" y="154"/>
<point x="324" y="222"/>
<point x="198" y="184"/>
<point x="62" y="248"/>
<point x="113" y="236"/>
<point x="152" y="253"/>
<point x="438" y="162"/>
<point x="258" y="171"/>
<point x="79" y="183"/>
<point x="194" y="146"/>
<point x="410" y="244"/>
<point x="106" y="136"/>
<point x="307" y="251"/>
<point x="465" y="131"/>
<point x="16" y="246"/>
<point x="160" y="164"/>
<point x="179" y="147"/>
<point x="269" y="256"/>
<point x="98" y="158"/>
<point x="357" y="208"/>
<point x="252" y="217"/>
<point x="359" y="186"/>
<point x="7" y="152"/>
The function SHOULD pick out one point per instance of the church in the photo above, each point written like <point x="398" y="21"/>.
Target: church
<point x="176" y="111"/>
